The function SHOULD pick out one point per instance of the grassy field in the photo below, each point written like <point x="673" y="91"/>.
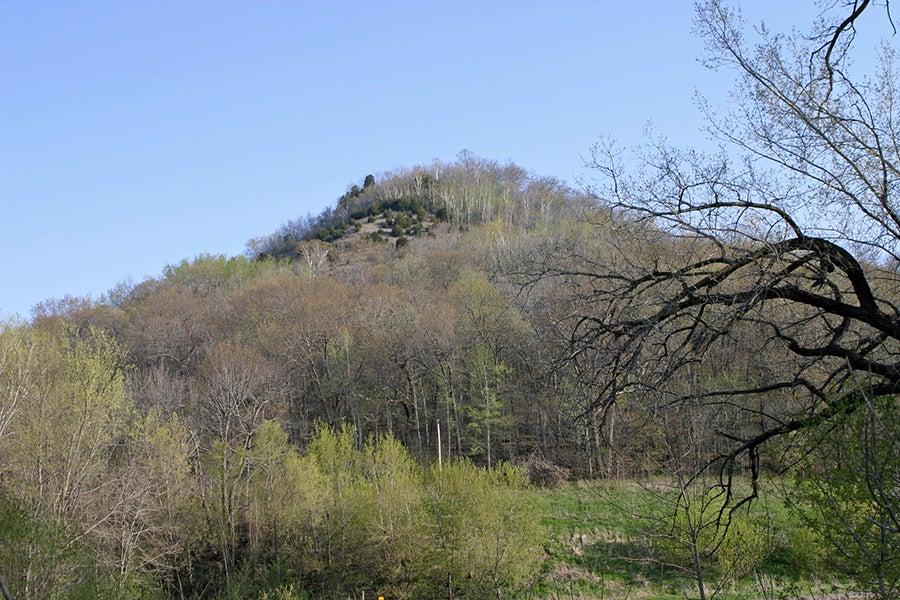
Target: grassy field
<point x="610" y="540"/>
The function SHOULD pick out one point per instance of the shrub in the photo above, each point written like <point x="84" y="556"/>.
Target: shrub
<point x="402" y="221"/>
<point x="545" y="473"/>
<point x="743" y="549"/>
<point x="485" y="531"/>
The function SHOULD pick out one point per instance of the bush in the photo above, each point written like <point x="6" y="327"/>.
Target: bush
<point x="485" y="531"/>
<point x="403" y="221"/>
<point x="47" y="558"/>
<point x="688" y="525"/>
<point x="743" y="549"/>
<point x="389" y="525"/>
<point x="544" y="473"/>
<point x="285" y="592"/>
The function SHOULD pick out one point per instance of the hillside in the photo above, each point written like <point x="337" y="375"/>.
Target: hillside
<point x="362" y="390"/>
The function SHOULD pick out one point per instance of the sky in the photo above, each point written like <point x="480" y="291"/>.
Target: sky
<point x="137" y="134"/>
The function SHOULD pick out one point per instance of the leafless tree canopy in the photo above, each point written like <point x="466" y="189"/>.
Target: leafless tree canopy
<point x="791" y="234"/>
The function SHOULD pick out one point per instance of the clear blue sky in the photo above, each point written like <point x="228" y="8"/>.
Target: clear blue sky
<point x="136" y="134"/>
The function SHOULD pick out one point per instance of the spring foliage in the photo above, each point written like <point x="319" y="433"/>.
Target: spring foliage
<point x="100" y="499"/>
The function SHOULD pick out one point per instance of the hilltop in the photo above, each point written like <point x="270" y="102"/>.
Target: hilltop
<point x="399" y="206"/>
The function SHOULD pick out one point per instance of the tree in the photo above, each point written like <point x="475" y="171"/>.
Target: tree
<point x="315" y="253"/>
<point x="55" y="457"/>
<point x="339" y="536"/>
<point x="791" y="232"/>
<point x="486" y="380"/>
<point x="150" y="492"/>
<point x="287" y="494"/>
<point x="18" y="362"/>
<point x="235" y="391"/>
<point x="293" y="321"/>
<point x="67" y="424"/>
<point x="167" y="327"/>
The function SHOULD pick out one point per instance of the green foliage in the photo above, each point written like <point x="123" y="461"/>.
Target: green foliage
<point x="181" y="504"/>
<point x="370" y="532"/>
<point x="340" y="534"/>
<point x="386" y="525"/>
<point x="284" y="592"/>
<point x="153" y="493"/>
<point x="690" y="528"/>
<point x="287" y="503"/>
<point x="225" y="494"/>
<point x="393" y="517"/>
<point x="802" y="548"/>
<point x="847" y="494"/>
<point x="403" y="222"/>
<point x="743" y="549"/>
<point x="55" y="463"/>
<point x="41" y="557"/>
<point x="20" y="374"/>
<point x="487" y="379"/>
<point x="699" y="533"/>
<point x="468" y="192"/>
<point x="599" y="546"/>
<point x="330" y="234"/>
<point x="485" y="531"/>
<point x="67" y="424"/>
<point x="207" y="272"/>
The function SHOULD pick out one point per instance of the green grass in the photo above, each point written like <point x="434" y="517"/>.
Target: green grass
<point x="600" y="545"/>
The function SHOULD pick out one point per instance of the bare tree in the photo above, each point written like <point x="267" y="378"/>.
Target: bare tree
<point x="790" y="233"/>
<point x="315" y="253"/>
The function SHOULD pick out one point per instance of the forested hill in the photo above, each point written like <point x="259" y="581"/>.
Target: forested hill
<point x="282" y="418"/>
<point x="398" y="307"/>
<point x="217" y="409"/>
<point x="364" y="401"/>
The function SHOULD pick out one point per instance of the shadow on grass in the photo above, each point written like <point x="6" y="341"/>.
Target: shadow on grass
<point x="592" y="567"/>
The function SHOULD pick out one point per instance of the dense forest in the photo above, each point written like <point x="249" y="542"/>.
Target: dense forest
<point x="397" y="395"/>
<point x="221" y="417"/>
